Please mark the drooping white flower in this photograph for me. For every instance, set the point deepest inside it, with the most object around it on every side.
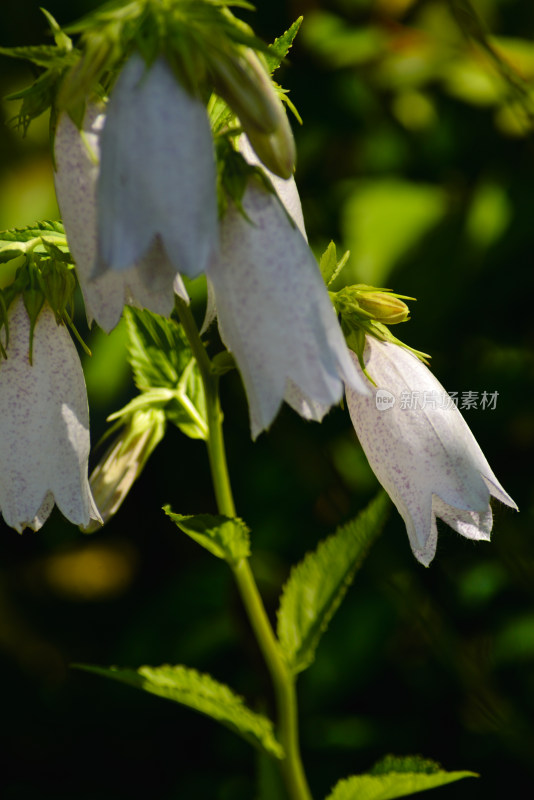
(44, 425)
(157, 176)
(421, 450)
(150, 282)
(275, 314)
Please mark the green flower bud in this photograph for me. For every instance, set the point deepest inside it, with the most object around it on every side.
(276, 150)
(242, 81)
(384, 307)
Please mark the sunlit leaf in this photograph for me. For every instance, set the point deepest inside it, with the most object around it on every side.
(318, 584)
(225, 537)
(202, 693)
(396, 777)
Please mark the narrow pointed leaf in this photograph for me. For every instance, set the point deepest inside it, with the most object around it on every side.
(317, 585)
(224, 537)
(281, 46)
(330, 266)
(202, 693)
(396, 777)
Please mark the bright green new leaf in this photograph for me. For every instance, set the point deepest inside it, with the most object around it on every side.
(161, 359)
(202, 693)
(317, 585)
(225, 537)
(396, 777)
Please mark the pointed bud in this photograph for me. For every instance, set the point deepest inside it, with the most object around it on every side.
(247, 88)
(384, 307)
(123, 462)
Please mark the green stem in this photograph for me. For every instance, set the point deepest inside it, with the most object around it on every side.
(283, 680)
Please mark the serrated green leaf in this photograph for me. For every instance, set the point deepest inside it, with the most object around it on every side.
(317, 585)
(45, 55)
(396, 776)
(224, 537)
(202, 693)
(281, 46)
(41, 237)
(161, 358)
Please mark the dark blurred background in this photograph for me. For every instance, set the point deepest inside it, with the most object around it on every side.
(417, 155)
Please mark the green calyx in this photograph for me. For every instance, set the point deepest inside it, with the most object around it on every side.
(369, 311)
(35, 262)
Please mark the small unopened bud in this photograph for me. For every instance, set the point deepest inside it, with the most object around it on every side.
(244, 83)
(123, 462)
(383, 307)
(276, 150)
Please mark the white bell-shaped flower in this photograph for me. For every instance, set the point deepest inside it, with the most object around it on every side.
(44, 425)
(275, 314)
(157, 178)
(150, 282)
(421, 449)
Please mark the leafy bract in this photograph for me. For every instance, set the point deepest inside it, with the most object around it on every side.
(317, 585)
(202, 693)
(329, 265)
(281, 46)
(165, 371)
(225, 537)
(396, 777)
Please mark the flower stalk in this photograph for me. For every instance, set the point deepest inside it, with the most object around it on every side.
(283, 680)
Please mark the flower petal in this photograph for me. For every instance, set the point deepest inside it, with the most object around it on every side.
(44, 425)
(425, 456)
(147, 284)
(157, 172)
(274, 312)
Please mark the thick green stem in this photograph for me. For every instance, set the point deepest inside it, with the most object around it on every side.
(283, 680)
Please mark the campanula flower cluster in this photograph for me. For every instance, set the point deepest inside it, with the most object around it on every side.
(140, 182)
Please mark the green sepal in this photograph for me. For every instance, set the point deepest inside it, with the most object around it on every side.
(317, 585)
(224, 537)
(33, 298)
(281, 46)
(202, 693)
(330, 266)
(395, 776)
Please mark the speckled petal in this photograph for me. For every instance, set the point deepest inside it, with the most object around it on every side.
(157, 173)
(44, 425)
(274, 312)
(425, 456)
(147, 284)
